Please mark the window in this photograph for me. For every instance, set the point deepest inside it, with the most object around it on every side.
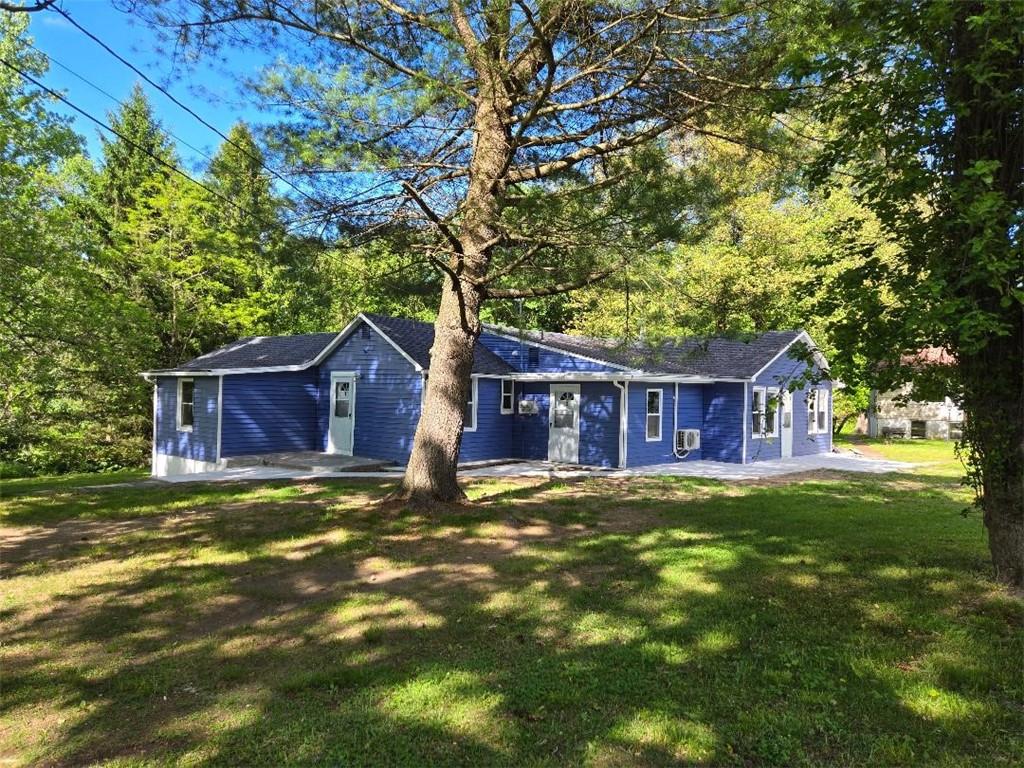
(186, 404)
(654, 414)
(771, 412)
(508, 395)
(342, 399)
(533, 357)
(470, 423)
(757, 411)
(823, 425)
(817, 412)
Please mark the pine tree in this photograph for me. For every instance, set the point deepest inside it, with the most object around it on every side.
(132, 159)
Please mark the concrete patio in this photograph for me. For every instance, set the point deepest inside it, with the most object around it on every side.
(714, 470)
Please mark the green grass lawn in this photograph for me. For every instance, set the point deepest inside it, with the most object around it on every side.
(840, 620)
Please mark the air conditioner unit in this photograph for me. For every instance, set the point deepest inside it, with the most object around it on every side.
(687, 440)
(529, 407)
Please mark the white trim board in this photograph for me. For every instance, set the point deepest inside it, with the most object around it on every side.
(802, 336)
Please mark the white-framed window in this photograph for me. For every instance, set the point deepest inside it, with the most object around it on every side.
(757, 411)
(469, 425)
(771, 412)
(817, 412)
(186, 404)
(654, 398)
(508, 395)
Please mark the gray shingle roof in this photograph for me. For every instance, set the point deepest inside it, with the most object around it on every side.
(714, 357)
(416, 338)
(262, 352)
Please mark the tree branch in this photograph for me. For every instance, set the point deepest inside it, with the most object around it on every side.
(40, 5)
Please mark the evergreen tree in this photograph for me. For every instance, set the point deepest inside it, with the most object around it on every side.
(132, 158)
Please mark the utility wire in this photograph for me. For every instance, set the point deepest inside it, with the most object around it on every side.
(113, 98)
(185, 107)
(134, 145)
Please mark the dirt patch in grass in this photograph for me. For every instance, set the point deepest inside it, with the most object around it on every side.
(592, 622)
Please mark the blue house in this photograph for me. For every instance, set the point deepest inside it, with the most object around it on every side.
(534, 395)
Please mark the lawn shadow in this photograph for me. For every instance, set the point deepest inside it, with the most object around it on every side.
(593, 621)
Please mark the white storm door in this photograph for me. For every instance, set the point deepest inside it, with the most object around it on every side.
(343, 414)
(564, 424)
(786, 424)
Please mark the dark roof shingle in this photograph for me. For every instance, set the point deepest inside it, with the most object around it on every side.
(262, 352)
(714, 358)
(719, 357)
(416, 338)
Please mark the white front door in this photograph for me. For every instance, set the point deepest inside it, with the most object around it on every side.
(786, 414)
(343, 413)
(564, 424)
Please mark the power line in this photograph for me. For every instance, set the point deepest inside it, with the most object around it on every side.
(113, 98)
(134, 145)
(184, 106)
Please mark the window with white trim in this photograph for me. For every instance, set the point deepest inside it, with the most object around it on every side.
(186, 404)
(508, 395)
(469, 425)
(654, 401)
(822, 411)
(817, 412)
(757, 411)
(771, 412)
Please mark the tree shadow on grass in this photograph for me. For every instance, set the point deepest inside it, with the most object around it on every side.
(545, 625)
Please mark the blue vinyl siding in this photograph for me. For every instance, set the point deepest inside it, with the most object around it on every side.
(599, 424)
(515, 354)
(640, 452)
(724, 421)
(531, 432)
(691, 414)
(266, 412)
(388, 394)
(781, 373)
(494, 437)
(201, 443)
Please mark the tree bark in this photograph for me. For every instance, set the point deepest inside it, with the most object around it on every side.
(431, 476)
(994, 409)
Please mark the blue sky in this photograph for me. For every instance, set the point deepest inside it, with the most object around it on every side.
(209, 89)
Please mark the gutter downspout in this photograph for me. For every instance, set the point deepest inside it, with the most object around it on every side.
(623, 388)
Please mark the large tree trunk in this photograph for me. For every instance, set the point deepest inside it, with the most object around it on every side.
(994, 405)
(430, 477)
(431, 474)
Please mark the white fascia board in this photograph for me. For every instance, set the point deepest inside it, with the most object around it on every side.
(549, 348)
(805, 337)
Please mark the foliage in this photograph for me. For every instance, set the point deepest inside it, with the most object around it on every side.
(922, 103)
(128, 266)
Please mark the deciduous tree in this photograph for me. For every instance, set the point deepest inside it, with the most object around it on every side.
(923, 103)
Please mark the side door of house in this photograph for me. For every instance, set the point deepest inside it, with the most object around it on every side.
(341, 429)
(564, 424)
(786, 424)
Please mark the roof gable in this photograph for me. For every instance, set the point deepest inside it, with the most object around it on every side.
(415, 338)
